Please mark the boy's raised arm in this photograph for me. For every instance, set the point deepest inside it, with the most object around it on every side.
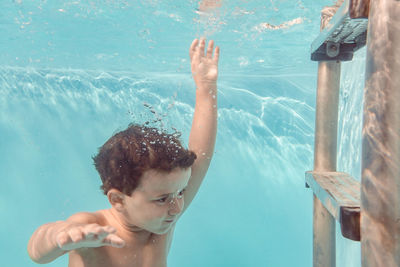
(204, 67)
(53, 240)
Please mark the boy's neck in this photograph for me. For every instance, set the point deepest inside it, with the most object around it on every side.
(129, 229)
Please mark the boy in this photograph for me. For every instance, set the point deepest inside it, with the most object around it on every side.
(149, 180)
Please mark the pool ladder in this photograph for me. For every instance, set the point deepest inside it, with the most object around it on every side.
(369, 211)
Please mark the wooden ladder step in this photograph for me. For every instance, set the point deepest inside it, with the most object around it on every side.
(340, 195)
(345, 33)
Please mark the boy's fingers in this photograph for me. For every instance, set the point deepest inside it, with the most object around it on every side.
(216, 55)
(102, 233)
(109, 229)
(210, 49)
(90, 231)
(201, 46)
(95, 228)
(114, 241)
(193, 47)
(90, 228)
(76, 235)
(104, 229)
(98, 232)
(62, 239)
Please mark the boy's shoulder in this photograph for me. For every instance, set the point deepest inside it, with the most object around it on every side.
(87, 217)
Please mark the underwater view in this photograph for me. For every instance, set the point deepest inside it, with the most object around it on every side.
(75, 72)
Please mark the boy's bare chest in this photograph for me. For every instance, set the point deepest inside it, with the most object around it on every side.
(152, 254)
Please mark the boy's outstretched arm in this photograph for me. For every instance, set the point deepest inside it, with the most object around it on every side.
(52, 240)
(204, 67)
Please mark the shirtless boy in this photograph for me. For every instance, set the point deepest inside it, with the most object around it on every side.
(149, 180)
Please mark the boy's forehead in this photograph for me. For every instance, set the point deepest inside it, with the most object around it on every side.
(156, 182)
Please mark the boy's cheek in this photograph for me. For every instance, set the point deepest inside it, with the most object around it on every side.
(153, 217)
(149, 217)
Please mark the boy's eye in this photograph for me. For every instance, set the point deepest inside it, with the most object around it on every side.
(180, 195)
(162, 200)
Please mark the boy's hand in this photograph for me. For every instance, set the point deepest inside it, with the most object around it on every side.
(88, 235)
(204, 66)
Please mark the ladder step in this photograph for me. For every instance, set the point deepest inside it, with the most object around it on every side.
(345, 33)
(340, 195)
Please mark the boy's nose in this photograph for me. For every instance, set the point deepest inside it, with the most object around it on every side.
(175, 206)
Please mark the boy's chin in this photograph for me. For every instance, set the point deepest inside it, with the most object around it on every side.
(161, 231)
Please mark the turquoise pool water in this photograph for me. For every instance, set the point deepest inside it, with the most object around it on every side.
(74, 72)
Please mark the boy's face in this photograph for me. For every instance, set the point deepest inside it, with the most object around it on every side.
(157, 202)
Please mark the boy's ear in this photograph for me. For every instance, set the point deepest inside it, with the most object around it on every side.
(116, 199)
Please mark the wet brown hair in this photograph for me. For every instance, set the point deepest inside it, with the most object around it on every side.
(123, 159)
